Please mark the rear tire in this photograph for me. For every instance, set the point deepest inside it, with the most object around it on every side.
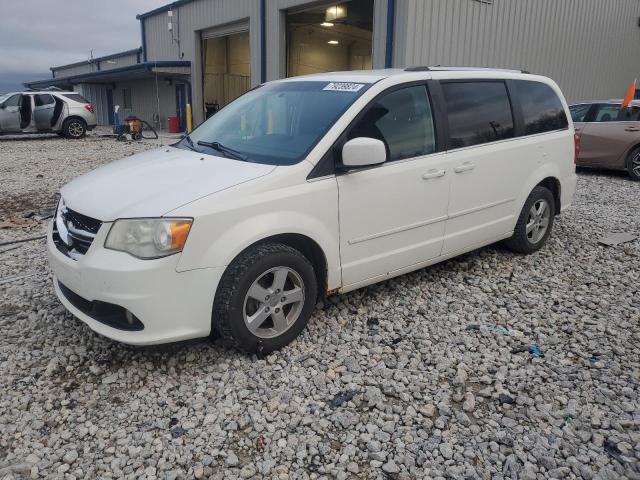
(74, 128)
(265, 298)
(534, 223)
(633, 164)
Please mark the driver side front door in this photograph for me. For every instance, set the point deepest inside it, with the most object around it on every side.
(392, 216)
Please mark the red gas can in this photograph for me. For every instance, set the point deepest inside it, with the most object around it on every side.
(173, 124)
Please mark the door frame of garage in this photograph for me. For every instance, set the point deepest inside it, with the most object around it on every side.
(278, 13)
(216, 31)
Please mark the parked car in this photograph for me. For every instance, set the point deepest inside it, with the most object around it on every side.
(609, 135)
(65, 113)
(307, 187)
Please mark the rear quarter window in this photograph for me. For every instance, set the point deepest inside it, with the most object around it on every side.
(579, 112)
(76, 97)
(541, 108)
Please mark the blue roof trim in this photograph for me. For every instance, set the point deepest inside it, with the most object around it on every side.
(164, 8)
(263, 41)
(391, 16)
(126, 53)
(103, 73)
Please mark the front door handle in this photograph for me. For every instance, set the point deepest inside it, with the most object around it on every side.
(465, 167)
(632, 129)
(433, 173)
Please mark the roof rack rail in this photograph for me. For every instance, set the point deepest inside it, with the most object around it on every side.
(425, 68)
(417, 69)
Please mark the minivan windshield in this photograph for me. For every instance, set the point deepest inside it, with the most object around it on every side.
(275, 124)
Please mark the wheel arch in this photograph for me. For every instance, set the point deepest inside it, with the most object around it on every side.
(74, 117)
(626, 155)
(553, 184)
(305, 245)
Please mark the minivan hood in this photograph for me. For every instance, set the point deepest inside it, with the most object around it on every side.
(152, 183)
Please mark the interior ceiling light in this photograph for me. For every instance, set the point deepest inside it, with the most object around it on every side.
(326, 24)
(333, 42)
(335, 12)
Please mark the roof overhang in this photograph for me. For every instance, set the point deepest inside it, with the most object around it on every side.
(138, 71)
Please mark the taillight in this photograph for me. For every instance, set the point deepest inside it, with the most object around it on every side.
(89, 107)
(576, 147)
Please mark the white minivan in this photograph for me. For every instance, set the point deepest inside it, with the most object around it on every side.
(307, 187)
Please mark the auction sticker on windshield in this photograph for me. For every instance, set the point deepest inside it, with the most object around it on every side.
(343, 87)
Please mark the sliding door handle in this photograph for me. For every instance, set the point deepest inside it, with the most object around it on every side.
(465, 167)
(433, 173)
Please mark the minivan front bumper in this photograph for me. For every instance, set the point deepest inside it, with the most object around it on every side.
(163, 305)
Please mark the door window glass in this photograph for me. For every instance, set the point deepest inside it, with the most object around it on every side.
(579, 112)
(12, 101)
(479, 112)
(629, 114)
(607, 112)
(41, 100)
(541, 108)
(403, 120)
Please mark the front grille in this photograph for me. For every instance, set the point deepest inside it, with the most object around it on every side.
(110, 314)
(83, 222)
(81, 230)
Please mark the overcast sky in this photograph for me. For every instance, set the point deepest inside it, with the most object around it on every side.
(38, 34)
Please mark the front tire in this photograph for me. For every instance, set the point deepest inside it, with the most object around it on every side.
(265, 298)
(74, 128)
(633, 164)
(534, 223)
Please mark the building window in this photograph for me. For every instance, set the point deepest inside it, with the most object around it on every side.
(126, 99)
(330, 37)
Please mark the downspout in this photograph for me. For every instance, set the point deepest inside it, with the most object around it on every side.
(144, 40)
(391, 14)
(263, 42)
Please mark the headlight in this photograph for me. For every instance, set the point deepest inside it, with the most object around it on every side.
(149, 237)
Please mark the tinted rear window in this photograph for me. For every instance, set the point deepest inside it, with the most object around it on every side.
(76, 97)
(541, 107)
(579, 112)
(479, 112)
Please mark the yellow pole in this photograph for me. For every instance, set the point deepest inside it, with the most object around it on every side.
(189, 120)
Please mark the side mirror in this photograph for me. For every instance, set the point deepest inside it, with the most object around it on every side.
(363, 152)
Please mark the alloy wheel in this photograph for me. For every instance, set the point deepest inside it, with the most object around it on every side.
(635, 164)
(274, 302)
(538, 221)
(76, 129)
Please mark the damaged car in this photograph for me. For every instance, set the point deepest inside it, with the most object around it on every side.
(68, 114)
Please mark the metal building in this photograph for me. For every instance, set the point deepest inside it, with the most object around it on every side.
(207, 52)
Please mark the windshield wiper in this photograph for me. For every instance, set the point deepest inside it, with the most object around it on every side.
(230, 152)
(189, 143)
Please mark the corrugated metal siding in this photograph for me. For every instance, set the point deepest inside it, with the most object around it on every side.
(75, 70)
(192, 17)
(145, 102)
(189, 20)
(120, 62)
(589, 47)
(97, 96)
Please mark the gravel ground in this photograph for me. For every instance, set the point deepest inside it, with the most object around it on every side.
(424, 376)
